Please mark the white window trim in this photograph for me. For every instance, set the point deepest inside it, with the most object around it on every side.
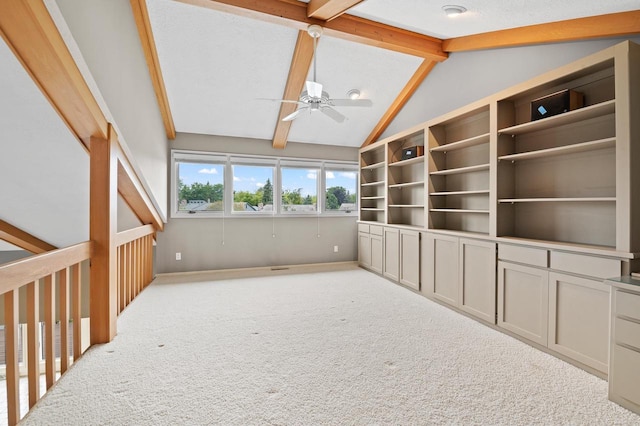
(228, 160)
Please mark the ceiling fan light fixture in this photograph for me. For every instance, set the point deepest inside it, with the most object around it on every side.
(453, 10)
(353, 94)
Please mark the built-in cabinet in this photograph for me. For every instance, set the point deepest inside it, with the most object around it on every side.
(624, 365)
(519, 219)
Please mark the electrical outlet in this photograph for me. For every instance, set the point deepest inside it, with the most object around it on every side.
(178, 256)
(335, 249)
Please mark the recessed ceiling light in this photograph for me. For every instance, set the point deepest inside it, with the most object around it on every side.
(353, 94)
(453, 10)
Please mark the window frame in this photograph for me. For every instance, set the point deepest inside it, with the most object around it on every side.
(228, 160)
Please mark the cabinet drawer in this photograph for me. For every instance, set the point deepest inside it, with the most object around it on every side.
(526, 255)
(626, 374)
(627, 333)
(363, 227)
(375, 229)
(628, 304)
(592, 266)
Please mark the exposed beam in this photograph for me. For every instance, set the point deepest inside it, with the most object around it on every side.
(30, 32)
(329, 9)
(293, 13)
(300, 63)
(611, 25)
(131, 189)
(405, 94)
(141, 16)
(24, 240)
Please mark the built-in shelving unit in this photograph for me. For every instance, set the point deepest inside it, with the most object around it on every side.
(459, 164)
(373, 179)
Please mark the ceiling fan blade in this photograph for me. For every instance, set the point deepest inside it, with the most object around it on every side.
(351, 102)
(314, 89)
(284, 101)
(328, 111)
(293, 115)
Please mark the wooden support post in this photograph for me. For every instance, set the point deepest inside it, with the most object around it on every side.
(102, 229)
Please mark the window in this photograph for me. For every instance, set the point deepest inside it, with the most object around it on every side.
(206, 184)
(341, 185)
(299, 189)
(199, 185)
(253, 188)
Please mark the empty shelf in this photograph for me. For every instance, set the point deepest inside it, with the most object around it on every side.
(407, 162)
(568, 149)
(404, 185)
(459, 211)
(483, 191)
(558, 200)
(373, 166)
(465, 143)
(467, 169)
(373, 183)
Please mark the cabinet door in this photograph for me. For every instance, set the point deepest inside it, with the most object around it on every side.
(579, 319)
(410, 258)
(477, 283)
(391, 263)
(441, 277)
(364, 249)
(376, 253)
(523, 301)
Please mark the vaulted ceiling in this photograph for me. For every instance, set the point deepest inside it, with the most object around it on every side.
(216, 64)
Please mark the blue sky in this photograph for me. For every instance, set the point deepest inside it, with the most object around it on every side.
(251, 178)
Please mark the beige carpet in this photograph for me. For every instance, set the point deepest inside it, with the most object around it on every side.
(333, 348)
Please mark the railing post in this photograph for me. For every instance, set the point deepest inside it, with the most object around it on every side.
(102, 230)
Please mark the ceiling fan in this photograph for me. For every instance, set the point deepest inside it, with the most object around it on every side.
(314, 98)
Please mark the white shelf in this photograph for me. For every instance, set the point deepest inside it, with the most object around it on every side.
(407, 162)
(373, 166)
(465, 143)
(585, 113)
(377, 197)
(407, 206)
(467, 169)
(569, 149)
(407, 184)
(370, 209)
(483, 191)
(373, 183)
(558, 200)
(459, 211)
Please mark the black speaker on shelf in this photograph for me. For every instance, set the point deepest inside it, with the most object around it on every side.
(412, 152)
(556, 103)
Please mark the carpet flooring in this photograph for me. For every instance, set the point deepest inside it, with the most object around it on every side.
(325, 348)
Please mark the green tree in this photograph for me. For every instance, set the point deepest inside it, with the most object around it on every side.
(267, 193)
(292, 196)
(332, 201)
(340, 194)
(308, 200)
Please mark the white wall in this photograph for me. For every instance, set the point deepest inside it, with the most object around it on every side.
(249, 242)
(469, 76)
(106, 34)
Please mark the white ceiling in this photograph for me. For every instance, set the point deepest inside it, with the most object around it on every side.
(216, 66)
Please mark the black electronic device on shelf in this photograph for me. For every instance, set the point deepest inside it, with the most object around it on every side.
(556, 103)
(412, 152)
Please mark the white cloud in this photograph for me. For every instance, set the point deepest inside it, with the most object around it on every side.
(348, 175)
(236, 179)
(312, 175)
(330, 175)
(210, 171)
(259, 185)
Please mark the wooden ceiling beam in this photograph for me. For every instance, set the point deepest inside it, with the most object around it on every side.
(329, 9)
(293, 13)
(30, 32)
(610, 25)
(22, 239)
(405, 94)
(300, 63)
(141, 16)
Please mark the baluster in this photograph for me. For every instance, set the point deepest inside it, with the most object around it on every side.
(63, 286)
(33, 359)
(76, 307)
(49, 329)
(11, 321)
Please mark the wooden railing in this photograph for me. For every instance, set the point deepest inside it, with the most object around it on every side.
(135, 263)
(60, 271)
